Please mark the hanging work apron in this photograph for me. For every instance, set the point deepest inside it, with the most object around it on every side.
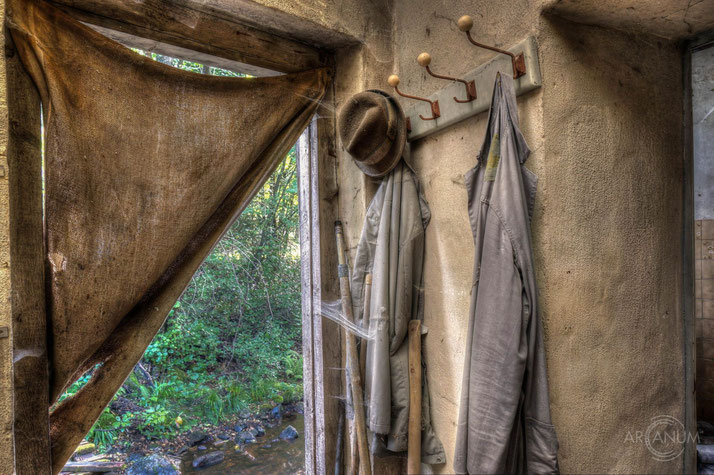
(504, 421)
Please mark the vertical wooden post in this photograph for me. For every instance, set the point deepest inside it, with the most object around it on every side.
(31, 381)
(414, 431)
(352, 358)
(307, 276)
(365, 324)
(321, 337)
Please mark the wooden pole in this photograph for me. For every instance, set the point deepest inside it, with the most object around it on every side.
(414, 434)
(340, 435)
(352, 357)
(353, 468)
(362, 355)
(99, 467)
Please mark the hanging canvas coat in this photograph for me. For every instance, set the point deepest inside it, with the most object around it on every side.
(146, 167)
(391, 248)
(504, 422)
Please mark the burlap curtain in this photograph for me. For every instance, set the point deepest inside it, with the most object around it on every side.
(146, 167)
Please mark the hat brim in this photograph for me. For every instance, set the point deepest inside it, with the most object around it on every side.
(390, 160)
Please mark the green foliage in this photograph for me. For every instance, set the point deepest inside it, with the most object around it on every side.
(105, 430)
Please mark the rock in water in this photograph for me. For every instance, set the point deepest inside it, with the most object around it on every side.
(277, 410)
(245, 437)
(259, 431)
(153, 464)
(196, 437)
(223, 436)
(289, 433)
(211, 458)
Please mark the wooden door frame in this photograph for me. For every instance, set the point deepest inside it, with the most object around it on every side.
(321, 338)
(212, 39)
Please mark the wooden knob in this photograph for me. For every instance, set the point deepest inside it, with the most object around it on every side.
(424, 59)
(465, 23)
(393, 80)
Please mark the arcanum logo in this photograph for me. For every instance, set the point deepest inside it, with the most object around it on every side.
(665, 438)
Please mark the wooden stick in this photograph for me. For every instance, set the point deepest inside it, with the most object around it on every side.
(362, 354)
(352, 358)
(100, 467)
(414, 435)
(353, 468)
(340, 436)
(365, 324)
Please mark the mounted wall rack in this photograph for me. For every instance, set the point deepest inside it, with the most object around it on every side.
(483, 76)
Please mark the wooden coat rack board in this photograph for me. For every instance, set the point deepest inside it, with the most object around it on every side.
(450, 111)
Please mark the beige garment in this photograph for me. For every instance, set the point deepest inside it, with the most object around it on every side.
(391, 248)
(504, 421)
(146, 168)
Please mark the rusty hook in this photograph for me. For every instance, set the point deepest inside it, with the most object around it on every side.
(424, 60)
(435, 112)
(465, 24)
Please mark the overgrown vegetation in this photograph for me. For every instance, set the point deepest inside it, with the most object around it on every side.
(233, 341)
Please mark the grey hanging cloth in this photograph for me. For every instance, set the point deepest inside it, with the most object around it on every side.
(504, 422)
(146, 167)
(391, 248)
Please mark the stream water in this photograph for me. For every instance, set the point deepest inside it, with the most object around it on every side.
(269, 455)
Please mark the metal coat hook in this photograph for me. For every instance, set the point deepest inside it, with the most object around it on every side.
(424, 60)
(465, 24)
(435, 112)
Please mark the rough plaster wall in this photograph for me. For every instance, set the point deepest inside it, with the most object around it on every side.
(607, 235)
(606, 230)
(666, 18)
(330, 24)
(6, 439)
(441, 161)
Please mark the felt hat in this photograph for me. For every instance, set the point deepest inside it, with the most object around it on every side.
(373, 130)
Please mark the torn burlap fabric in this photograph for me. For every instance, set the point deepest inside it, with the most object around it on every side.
(146, 168)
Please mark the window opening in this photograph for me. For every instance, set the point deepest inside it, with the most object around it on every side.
(220, 387)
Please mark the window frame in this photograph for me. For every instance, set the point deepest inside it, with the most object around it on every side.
(261, 52)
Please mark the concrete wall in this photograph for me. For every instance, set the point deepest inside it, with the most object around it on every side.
(704, 312)
(703, 125)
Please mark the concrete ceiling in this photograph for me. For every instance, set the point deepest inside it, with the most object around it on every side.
(673, 19)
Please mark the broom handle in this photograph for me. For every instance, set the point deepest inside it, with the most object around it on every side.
(352, 357)
(362, 355)
(414, 434)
